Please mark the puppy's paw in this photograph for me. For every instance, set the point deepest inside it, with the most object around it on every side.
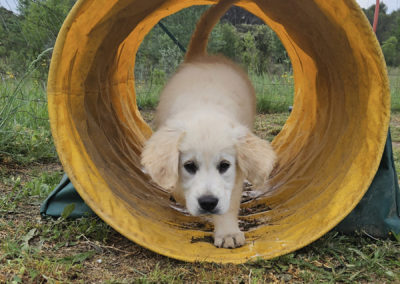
(232, 240)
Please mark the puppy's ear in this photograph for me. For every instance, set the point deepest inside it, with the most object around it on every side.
(256, 158)
(160, 156)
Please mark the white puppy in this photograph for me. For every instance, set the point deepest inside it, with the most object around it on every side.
(203, 148)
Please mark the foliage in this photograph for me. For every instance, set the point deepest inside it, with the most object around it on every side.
(29, 33)
(387, 23)
(10, 41)
(24, 127)
(34, 29)
(255, 47)
(270, 55)
(157, 53)
(389, 48)
(274, 93)
(387, 32)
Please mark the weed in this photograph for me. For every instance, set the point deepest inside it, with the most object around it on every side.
(147, 96)
(396, 157)
(163, 275)
(39, 187)
(394, 76)
(274, 93)
(395, 236)
(340, 258)
(42, 185)
(24, 127)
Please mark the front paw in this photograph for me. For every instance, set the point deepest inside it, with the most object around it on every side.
(232, 240)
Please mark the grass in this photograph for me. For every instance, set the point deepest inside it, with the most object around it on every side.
(87, 250)
(394, 77)
(274, 92)
(147, 95)
(35, 250)
(24, 126)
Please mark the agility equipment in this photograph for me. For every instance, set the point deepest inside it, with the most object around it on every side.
(329, 149)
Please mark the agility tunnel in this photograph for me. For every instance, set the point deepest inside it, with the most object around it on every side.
(329, 149)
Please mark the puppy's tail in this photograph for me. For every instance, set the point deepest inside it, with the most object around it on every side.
(198, 42)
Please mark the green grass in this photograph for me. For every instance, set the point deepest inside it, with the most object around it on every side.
(147, 95)
(24, 127)
(274, 93)
(29, 245)
(394, 78)
(38, 187)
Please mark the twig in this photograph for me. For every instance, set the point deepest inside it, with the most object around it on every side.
(368, 235)
(127, 253)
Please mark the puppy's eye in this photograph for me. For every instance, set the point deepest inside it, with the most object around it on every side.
(223, 166)
(190, 167)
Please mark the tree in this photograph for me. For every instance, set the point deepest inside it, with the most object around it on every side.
(390, 51)
(386, 22)
(41, 21)
(10, 41)
(26, 35)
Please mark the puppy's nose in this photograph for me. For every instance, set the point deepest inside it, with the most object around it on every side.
(208, 202)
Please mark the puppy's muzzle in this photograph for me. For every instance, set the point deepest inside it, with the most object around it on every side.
(208, 203)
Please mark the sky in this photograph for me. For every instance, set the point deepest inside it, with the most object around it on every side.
(9, 4)
(391, 4)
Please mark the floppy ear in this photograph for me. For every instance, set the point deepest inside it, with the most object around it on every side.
(160, 156)
(256, 158)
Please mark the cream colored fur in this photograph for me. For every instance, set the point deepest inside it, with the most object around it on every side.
(204, 121)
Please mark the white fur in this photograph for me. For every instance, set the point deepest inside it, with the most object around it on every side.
(205, 115)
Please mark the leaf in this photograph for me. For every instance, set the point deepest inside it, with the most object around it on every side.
(17, 279)
(389, 273)
(78, 258)
(68, 210)
(27, 238)
(362, 255)
(396, 236)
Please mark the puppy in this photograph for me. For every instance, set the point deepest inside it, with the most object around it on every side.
(203, 147)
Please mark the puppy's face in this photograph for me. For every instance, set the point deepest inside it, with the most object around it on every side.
(207, 176)
(201, 161)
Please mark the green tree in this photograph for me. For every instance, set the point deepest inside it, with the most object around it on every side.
(386, 22)
(41, 21)
(389, 48)
(10, 41)
(23, 37)
(225, 40)
(158, 55)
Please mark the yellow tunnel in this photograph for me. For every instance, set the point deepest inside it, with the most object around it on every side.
(329, 149)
